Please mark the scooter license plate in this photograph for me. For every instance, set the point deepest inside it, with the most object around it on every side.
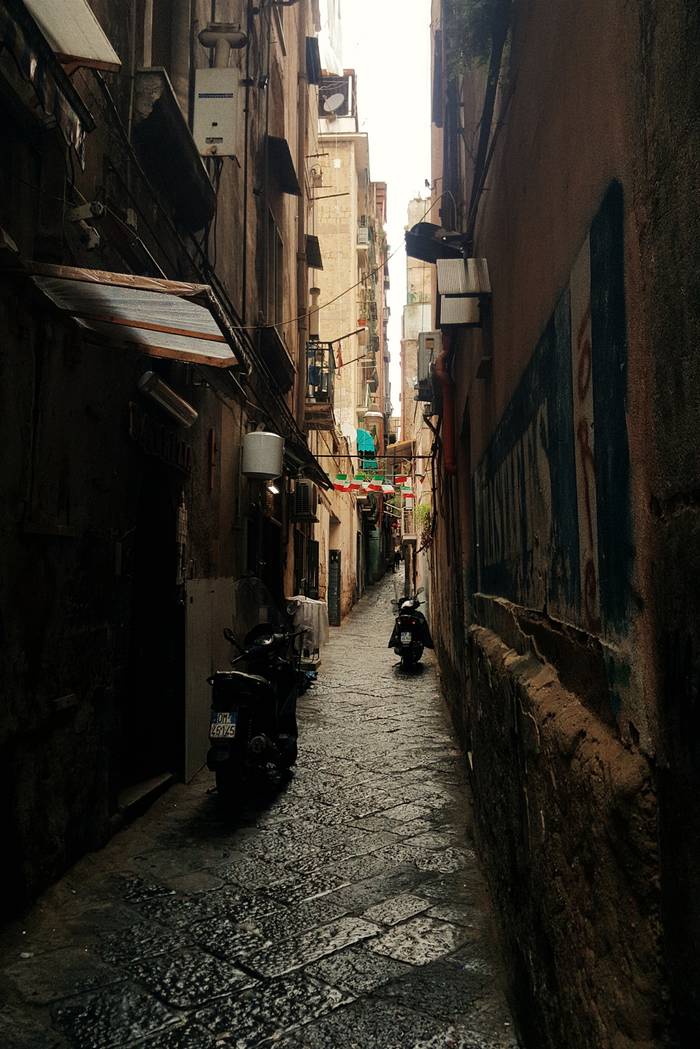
(406, 637)
(223, 725)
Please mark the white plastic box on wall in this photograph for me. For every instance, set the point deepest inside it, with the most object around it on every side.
(215, 111)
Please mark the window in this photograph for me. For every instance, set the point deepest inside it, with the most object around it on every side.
(275, 273)
(367, 372)
(161, 22)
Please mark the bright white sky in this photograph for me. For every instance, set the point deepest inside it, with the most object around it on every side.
(387, 42)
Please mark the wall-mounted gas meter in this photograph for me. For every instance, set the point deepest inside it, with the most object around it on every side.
(215, 111)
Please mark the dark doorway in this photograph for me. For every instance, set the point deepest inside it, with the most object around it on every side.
(334, 583)
(151, 737)
(265, 552)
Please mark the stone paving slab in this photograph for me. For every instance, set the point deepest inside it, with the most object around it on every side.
(357, 970)
(259, 1015)
(419, 941)
(63, 973)
(287, 955)
(396, 910)
(191, 978)
(367, 1023)
(346, 909)
(111, 1018)
(190, 1036)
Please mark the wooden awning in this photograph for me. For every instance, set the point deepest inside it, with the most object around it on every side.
(74, 34)
(160, 318)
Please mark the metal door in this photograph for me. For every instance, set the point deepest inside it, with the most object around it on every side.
(334, 578)
(208, 609)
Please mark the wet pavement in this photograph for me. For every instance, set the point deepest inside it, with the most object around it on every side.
(347, 910)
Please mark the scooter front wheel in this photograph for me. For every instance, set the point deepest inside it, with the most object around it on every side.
(287, 746)
(228, 784)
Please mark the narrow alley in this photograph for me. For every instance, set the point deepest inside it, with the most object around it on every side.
(349, 910)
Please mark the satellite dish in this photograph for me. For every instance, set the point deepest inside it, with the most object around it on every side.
(334, 102)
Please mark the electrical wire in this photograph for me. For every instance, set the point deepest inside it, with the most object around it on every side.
(370, 273)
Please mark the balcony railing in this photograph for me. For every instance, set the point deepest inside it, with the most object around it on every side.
(320, 379)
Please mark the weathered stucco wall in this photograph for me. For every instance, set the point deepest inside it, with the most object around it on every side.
(107, 506)
(576, 872)
(669, 177)
(570, 532)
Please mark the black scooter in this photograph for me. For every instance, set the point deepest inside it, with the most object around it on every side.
(411, 633)
(253, 726)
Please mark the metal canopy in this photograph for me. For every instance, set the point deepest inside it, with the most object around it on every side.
(73, 32)
(282, 165)
(160, 318)
(313, 252)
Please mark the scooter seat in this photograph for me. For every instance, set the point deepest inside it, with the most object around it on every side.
(232, 677)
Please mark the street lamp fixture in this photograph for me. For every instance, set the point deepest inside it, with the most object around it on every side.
(151, 385)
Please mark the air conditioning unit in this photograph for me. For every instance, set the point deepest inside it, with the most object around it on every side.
(305, 507)
(429, 343)
(363, 236)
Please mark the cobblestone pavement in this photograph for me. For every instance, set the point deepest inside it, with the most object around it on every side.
(347, 911)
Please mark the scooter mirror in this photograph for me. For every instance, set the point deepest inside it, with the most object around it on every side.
(420, 590)
(231, 638)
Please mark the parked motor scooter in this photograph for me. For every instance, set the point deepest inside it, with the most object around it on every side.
(253, 726)
(411, 633)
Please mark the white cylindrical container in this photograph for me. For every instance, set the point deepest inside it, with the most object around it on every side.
(263, 455)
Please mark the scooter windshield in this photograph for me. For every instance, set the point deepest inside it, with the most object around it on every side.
(253, 605)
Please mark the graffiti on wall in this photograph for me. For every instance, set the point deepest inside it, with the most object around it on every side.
(584, 433)
(551, 493)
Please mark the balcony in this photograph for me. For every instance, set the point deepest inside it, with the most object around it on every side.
(320, 374)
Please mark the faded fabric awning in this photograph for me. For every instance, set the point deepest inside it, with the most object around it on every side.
(281, 165)
(161, 318)
(313, 60)
(365, 442)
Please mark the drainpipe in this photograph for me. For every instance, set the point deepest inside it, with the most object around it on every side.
(302, 266)
(314, 325)
(447, 386)
(180, 48)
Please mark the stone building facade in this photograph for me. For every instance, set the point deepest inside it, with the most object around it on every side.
(349, 219)
(125, 520)
(566, 546)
